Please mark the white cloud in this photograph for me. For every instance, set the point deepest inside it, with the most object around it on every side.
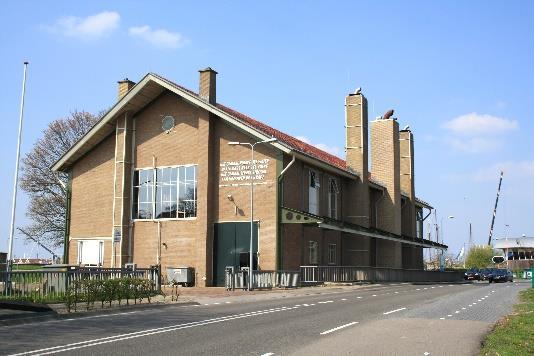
(474, 124)
(475, 144)
(90, 27)
(336, 151)
(159, 38)
(521, 170)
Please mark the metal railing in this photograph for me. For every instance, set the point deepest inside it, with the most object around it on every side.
(51, 284)
(262, 279)
(321, 274)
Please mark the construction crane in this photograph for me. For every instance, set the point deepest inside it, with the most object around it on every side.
(54, 256)
(495, 210)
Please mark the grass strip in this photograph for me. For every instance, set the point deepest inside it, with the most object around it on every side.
(513, 335)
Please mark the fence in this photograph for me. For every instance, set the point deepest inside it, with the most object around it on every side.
(321, 274)
(262, 279)
(53, 284)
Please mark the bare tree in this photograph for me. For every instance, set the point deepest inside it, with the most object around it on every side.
(45, 188)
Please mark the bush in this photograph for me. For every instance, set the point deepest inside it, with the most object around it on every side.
(108, 290)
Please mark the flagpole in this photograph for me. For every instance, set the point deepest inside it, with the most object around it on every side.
(15, 182)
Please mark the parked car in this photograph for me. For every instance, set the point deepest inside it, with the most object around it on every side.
(472, 274)
(501, 275)
(486, 273)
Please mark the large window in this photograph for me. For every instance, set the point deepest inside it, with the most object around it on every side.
(313, 252)
(314, 187)
(165, 193)
(333, 192)
(332, 248)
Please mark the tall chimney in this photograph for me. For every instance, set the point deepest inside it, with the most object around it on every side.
(208, 85)
(407, 183)
(357, 157)
(385, 158)
(124, 87)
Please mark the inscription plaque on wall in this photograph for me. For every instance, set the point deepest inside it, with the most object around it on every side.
(235, 172)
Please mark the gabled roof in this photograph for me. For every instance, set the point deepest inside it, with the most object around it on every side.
(152, 85)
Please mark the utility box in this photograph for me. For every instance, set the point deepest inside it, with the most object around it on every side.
(181, 275)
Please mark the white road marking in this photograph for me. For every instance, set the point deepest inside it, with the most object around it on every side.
(441, 318)
(449, 315)
(456, 312)
(433, 287)
(306, 305)
(312, 304)
(268, 354)
(463, 308)
(148, 332)
(426, 353)
(393, 311)
(298, 305)
(228, 302)
(327, 301)
(343, 299)
(441, 286)
(470, 305)
(339, 327)
(492, 291)
(474, 303)
(359, 297)
(374, 295)
(418, 289)
(425, 288)
(396, 292)
(216, 303)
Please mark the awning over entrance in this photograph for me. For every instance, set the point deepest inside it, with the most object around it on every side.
(292, 216)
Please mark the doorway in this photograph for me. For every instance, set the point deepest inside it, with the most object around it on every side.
(231, 246)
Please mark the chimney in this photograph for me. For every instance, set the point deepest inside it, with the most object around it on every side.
(208, 85)
(356, 133)
(407, 183)
(124, 87)
(357, 157)
(385, 158)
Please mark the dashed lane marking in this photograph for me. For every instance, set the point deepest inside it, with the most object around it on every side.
(393, 311)
(338, 328)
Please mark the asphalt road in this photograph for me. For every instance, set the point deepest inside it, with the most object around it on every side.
(378, 320)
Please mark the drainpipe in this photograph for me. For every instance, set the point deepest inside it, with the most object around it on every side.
(158, 250)
(280, 198)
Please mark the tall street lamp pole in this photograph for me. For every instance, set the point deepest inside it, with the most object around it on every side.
(252, 145)
(16, 178)
(441, 262)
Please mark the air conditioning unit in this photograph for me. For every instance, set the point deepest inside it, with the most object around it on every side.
(130, 266)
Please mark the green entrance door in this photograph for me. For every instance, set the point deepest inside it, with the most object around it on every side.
(231, 248)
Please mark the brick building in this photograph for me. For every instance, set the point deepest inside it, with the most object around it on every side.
(156, 182)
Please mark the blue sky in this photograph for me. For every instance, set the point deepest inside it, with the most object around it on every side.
(459, 73)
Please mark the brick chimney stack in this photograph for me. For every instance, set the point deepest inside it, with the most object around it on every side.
(208, 85)
(357, 156)
(385, 158)
(124, 87)
(407, 183)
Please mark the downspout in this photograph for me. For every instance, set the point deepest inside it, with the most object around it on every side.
(279, 208)
(68, 197)
(158, 251)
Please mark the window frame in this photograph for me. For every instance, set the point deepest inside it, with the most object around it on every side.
(313, 246)
(317, 189)
(335, 196)
(332, 248)
(154, 192)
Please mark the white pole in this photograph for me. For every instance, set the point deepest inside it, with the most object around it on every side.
(15, 182)
(251, 260)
